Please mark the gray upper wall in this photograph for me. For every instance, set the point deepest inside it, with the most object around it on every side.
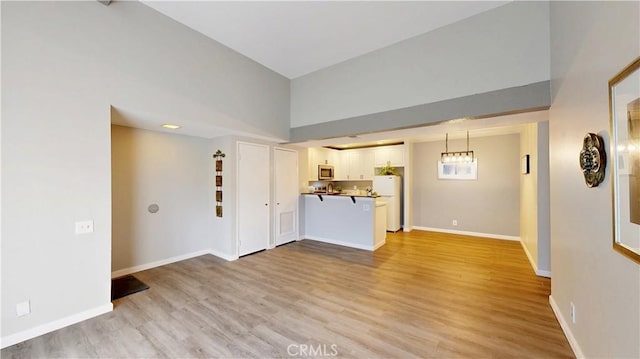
(507, 47)
(532, 97)
(149, 65)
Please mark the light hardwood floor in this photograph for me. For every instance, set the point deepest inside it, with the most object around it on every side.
(423, 294)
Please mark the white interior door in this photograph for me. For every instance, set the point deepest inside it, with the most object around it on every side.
(286, 195)
(253, 198)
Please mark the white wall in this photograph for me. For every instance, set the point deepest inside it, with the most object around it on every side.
(591, 42)
(501, 48)
(63, 65)
(488, 205)
(223, 228)
(534, 197)
(171, 171)
(544, 200)
(529, 193)
(223, 234)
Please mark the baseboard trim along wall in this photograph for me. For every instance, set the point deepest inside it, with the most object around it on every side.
(378, 245)
(565, 328)
(539, 273)
(341, 243)
(55, 325)
(224, 256)
(466, 233)
(134, 269)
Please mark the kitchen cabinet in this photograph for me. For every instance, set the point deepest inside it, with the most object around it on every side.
(342, 167)
(356, 164)
(361, 164)
(393, 155)
(320, 156)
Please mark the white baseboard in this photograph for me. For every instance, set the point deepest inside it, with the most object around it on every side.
(134, 269)
(466, 233)
(565, 328)
(341, 243)
(539, 272)
(224, 256)
(73, 319)
(55, 325)
(382, 243)
(543, 273)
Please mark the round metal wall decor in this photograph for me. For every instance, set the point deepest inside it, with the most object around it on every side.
(593, 159)
(153, 208)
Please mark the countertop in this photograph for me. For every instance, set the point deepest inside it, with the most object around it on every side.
(338, 195)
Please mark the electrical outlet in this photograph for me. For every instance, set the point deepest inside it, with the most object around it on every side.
(454, 222)
(23, 308)
(572, 312)
(84, 227)
(366, 208)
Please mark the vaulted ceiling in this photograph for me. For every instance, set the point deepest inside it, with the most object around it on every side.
(295, 38)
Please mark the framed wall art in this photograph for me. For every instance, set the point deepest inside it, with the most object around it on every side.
(458, 170)
(624, 108)
(218, 156)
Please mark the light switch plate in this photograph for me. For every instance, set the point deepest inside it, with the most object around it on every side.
(23, 308)
(84, 227)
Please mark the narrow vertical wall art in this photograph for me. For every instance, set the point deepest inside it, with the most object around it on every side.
(218, 156)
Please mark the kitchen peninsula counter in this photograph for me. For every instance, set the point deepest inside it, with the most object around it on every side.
(338, 194)
(356, 221)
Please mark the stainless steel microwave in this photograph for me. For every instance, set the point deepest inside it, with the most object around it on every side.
(325, 172)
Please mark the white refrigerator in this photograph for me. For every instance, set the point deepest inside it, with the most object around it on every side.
(389, 189)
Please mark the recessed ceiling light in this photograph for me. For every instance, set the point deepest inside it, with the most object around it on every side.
(170, 126)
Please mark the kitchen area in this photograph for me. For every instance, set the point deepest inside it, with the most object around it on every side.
(353, 196)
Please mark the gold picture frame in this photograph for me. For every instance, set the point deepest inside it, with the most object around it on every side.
(624, 116)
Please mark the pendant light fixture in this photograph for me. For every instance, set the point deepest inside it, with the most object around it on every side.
(456, 157)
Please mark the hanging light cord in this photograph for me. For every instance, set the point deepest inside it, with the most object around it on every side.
(467, 141)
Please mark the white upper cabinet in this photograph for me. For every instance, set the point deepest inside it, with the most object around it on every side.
(394, 155)
(321, 156)
(342, 166)
(361, 165)
(356, 164)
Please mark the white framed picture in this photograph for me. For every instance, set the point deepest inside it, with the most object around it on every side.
(458, 170)
(624, 107)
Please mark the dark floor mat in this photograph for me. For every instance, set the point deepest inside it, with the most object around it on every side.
(124, 286)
